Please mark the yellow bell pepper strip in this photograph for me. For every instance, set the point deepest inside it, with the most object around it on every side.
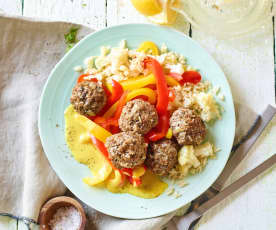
(117, 180)
(100, 177)
(171, 81)
(161, 85)
(132, 94)
(169, 133)
(96, 130)
(142, 81)
(148, 47)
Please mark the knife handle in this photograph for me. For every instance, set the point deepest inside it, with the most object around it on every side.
(236, 185)
(243, 149)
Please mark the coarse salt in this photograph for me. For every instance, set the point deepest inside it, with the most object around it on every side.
(66, 218)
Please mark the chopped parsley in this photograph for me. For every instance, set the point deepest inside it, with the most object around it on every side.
(71, 38)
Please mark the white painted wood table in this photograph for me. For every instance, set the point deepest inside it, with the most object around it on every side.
(245, 61)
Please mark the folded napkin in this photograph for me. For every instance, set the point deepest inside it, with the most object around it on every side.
(29, 49)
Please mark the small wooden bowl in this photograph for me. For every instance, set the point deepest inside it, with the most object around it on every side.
(50, 207)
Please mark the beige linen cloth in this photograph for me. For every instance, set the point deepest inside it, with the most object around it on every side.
(29, 49)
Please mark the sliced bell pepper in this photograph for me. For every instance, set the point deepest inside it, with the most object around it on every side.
(134, 175)
(142, 97)
(171, 95)
(161, 85)
(193, 77)
(96, 130)
(101, 147)
(169, 133)
(148, 47)
(136, 182)
(142, 81)
(108, 124)
(120, 106)
(160, 130)
(117, 91)
(81, 78)
(100, 176)
(149, 93)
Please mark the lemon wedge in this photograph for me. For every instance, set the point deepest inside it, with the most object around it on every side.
(167, 16)
(147, 7)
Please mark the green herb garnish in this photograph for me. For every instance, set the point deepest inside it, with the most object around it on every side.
(71, 38)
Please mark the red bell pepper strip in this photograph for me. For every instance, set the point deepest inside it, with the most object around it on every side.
(193, 77)
(117, 91)
(111, 124)
(151, 86)
(127, 171)
(161, 84)
(135, 181)
(121, 104)
(101, 147)
(81, 78)
(171, 95)
(161, 130)
(142, 97)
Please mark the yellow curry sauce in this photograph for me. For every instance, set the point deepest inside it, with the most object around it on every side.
(84, 152)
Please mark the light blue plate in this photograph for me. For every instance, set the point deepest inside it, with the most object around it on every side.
(55, 99)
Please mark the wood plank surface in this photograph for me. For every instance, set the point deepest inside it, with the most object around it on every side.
(246, 62)
(13, 7)
(87, 12)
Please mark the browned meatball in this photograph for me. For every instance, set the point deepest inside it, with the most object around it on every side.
(187, 127)
(138, 116)
(126, 149)
(162, 156)
(88, 98)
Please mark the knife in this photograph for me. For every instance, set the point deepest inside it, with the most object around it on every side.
(241, 150)
(192, 217)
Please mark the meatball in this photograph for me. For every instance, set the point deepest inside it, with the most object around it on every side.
(138, 116)
(162, 156)
(187, 127)
(126, 149)
(88, 98)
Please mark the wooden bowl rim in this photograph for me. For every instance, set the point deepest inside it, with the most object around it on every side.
(64, 199)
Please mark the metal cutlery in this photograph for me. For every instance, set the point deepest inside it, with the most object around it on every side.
(199, 211)
(241, 150)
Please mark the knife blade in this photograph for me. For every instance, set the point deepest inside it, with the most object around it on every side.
(198, 212)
